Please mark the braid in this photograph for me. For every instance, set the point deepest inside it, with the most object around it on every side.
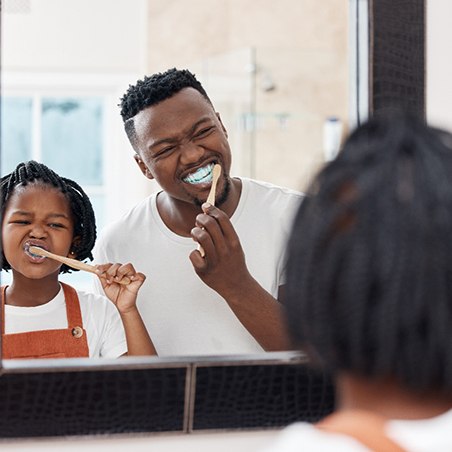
(369, 278)
(84, 220)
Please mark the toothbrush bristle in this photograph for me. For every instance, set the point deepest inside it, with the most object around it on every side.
(34, 254)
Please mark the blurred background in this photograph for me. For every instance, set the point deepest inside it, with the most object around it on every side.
(274, 70)
(277, 72)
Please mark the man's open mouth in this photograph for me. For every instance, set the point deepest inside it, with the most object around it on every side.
(200, 176)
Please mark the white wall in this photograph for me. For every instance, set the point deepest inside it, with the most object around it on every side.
(83, 47)
(74, 35)
(439, 63)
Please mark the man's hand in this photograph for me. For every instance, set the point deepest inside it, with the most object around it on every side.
(223, 269)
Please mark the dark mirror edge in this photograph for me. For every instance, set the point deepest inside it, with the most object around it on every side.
(80, 397)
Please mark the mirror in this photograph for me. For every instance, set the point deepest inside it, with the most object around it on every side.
(66, 64)
(111, 61)
(439, 68)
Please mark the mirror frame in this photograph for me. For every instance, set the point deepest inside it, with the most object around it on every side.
(83, 396)
(397, 47)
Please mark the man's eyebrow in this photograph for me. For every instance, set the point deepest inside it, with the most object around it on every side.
(171, 140)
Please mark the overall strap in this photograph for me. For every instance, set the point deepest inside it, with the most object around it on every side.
(3, 297)
(74, 314)
(366, 427)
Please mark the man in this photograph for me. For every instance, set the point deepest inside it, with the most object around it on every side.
(225, 301)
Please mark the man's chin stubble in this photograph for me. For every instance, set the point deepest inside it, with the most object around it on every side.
(219, 200)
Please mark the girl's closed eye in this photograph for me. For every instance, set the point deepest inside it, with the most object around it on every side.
(57, 225)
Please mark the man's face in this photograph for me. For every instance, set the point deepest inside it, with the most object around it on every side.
(179, 140)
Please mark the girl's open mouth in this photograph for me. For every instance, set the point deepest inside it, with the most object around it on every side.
(32, 256)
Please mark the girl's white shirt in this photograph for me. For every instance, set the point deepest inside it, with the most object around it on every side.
(101, 320)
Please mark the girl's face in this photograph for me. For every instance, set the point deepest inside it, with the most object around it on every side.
(40, 215)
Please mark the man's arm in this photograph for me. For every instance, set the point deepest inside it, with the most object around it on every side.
(224, 270)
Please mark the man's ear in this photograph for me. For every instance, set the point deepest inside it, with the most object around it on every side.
(144, 169)
(222, 125)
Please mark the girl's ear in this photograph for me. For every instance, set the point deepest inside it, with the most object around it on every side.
(75, 244)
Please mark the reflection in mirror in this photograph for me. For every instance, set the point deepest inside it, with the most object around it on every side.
(65, 67)
(439, 69)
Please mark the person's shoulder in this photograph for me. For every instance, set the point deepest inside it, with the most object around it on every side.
(270, 189)
(274, 198)
(96, 304)
(93, 298)
(130, 217)
(305, 436)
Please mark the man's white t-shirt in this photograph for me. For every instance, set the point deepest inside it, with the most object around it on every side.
(427, 435)
(101, 320)
(183, 315)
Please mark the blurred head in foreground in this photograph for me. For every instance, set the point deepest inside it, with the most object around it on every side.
(369, 290)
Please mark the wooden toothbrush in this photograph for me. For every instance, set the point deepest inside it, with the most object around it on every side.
(73, 263)
(211, 198)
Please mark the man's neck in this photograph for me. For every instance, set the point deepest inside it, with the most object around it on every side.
(179, 216)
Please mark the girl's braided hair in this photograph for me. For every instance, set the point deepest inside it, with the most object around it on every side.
(84, 220)
(369, 283)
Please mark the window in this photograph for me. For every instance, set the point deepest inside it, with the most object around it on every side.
(63, 132)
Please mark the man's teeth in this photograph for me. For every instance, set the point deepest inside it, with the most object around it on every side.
(201, 176)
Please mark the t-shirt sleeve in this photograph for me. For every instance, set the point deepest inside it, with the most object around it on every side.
(303, 436)
(105, 331)
(114, 342)
(288, 214)
(100, 257)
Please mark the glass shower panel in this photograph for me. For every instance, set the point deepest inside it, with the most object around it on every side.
(72, 134)
(297, 90)
(275, 104)
(16, 131)
(229, 81)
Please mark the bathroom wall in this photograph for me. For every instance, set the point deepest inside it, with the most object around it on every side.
(439, 63)
(297, 77)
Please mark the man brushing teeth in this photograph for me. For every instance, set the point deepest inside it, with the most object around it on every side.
(202, 179)
(226, 301)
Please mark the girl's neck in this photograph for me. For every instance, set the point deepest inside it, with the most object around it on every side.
(388, 398)
(31, 292)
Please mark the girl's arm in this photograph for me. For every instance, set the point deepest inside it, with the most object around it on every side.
(124, 296)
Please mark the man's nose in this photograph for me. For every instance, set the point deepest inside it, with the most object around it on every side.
(191, 152)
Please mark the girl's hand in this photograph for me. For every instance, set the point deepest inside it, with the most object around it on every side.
(124, 296)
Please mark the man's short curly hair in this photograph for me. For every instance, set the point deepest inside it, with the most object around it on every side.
(154, 89)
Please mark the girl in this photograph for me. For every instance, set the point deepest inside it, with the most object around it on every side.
(369, 290)
(43, 318)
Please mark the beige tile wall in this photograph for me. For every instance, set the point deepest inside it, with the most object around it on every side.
(301, 44)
